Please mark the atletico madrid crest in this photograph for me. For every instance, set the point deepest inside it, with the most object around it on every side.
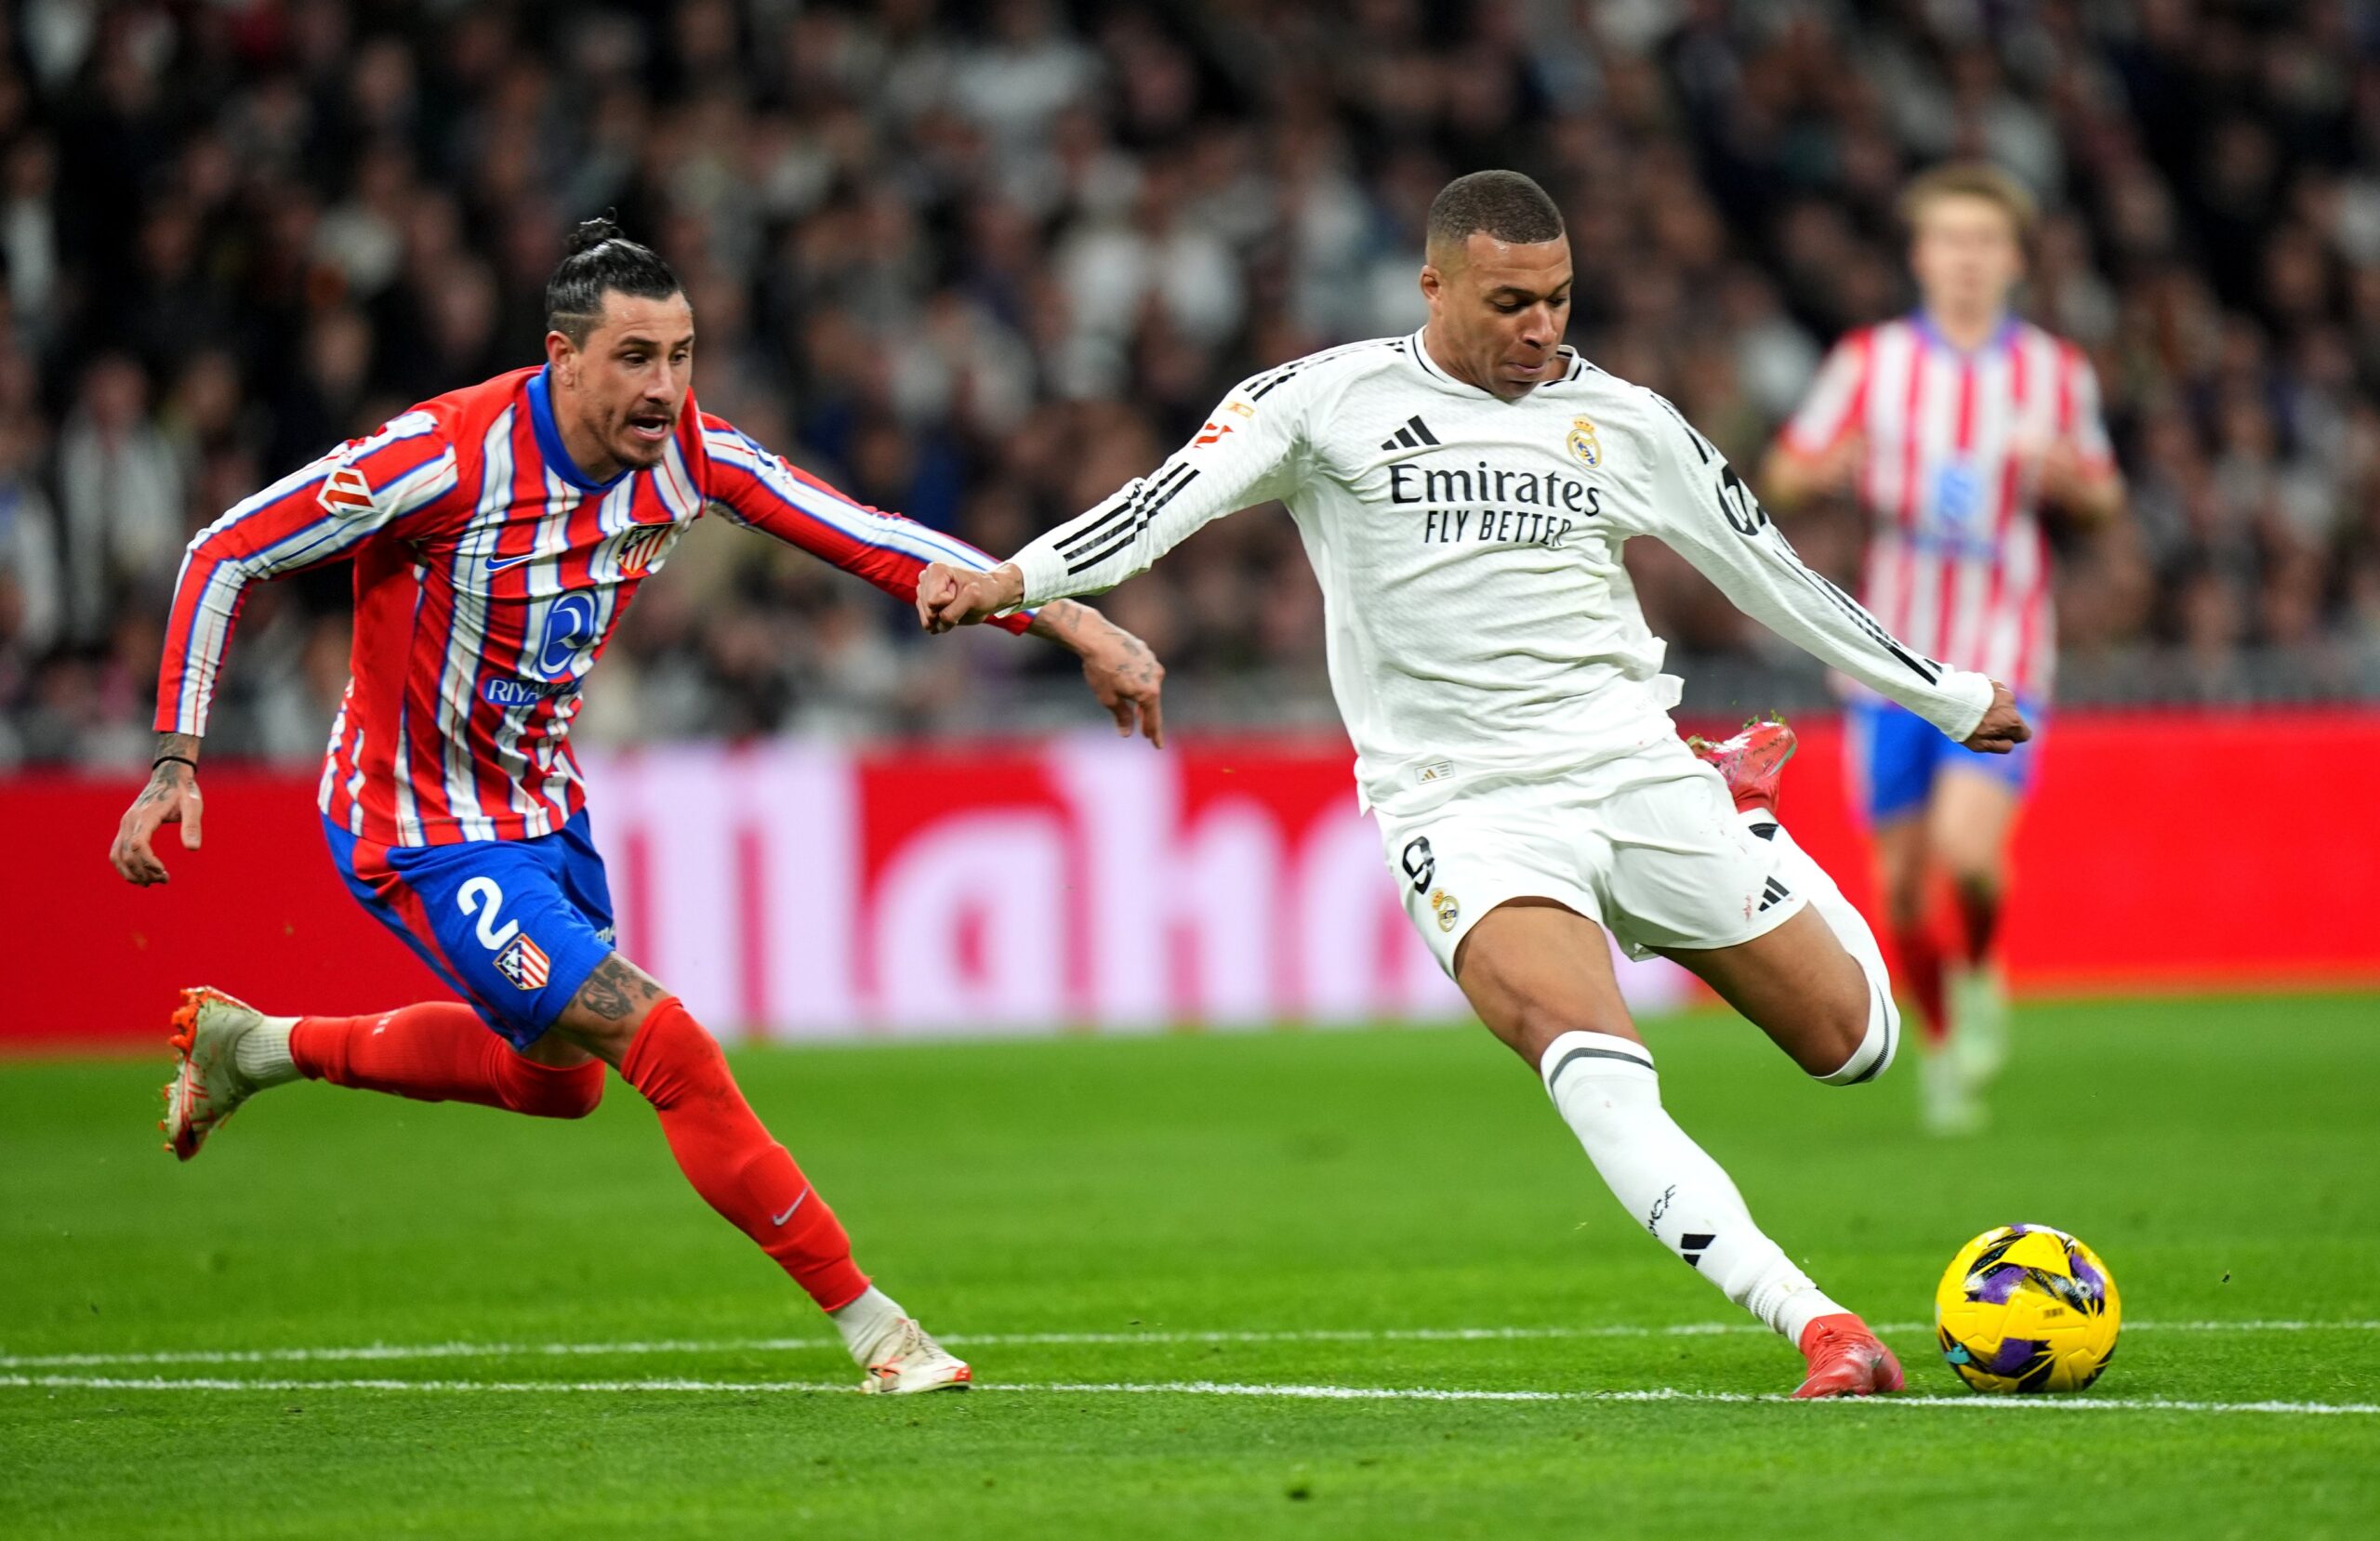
(524, 963)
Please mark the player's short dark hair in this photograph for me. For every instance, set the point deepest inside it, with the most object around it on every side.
(601, 260)
(1505, 204)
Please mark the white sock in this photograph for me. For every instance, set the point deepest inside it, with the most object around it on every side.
(1804, 876)
(1608, 1092)
(263, 1053)
(867, 1322)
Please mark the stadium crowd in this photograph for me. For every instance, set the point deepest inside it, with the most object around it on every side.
(982, 264)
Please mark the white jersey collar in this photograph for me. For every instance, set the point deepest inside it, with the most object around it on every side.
(1418, 345)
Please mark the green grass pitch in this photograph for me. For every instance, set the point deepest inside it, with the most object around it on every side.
(1106, 1224)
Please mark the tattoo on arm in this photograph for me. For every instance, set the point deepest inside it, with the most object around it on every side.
(167, 778)
(1061, 620)
(616, 990)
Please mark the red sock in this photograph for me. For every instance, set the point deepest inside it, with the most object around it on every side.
(1978, 919)
(729, 1158)
(1920, 965)
(439, 1052)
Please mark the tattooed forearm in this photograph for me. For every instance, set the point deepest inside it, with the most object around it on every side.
(1063, 621)
(616, 992)
(1083, 629)
(168, 777)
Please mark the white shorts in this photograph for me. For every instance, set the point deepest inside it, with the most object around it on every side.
(1656, 855)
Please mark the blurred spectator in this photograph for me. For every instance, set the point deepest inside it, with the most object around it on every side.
(120, 498)
(983, 263)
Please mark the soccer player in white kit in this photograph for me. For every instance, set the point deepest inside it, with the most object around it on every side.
(1954, 428)
(1463, 495)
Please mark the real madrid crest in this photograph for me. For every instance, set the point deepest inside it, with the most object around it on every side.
(1449, 913)
(1584, 442)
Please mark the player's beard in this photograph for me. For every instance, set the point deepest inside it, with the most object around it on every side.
(633, 449)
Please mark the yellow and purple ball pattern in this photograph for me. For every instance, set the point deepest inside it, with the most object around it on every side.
(2027, 1307)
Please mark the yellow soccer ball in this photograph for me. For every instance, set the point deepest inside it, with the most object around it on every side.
(2027, 1307)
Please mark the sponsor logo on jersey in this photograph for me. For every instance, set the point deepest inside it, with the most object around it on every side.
(570, 630)
(1492, 505)
(1444, 905)
(1586, 445)
(506, 691)
(524, 963)
(1958, 494)
(1211, 433)
(345, 494)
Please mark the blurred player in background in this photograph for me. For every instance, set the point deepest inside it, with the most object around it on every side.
(498, 535)
(1464, 494)
(1954, 428)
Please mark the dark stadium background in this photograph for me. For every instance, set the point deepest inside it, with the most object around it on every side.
(983, 263)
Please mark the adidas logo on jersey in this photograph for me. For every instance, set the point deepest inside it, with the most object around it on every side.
(1412, 436)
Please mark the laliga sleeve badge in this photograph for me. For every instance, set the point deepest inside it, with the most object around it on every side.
(1586, 445)
(1448, 911)
(524, 963)
(346, 493)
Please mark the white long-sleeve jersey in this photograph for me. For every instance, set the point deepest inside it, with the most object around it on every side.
(1480, 622)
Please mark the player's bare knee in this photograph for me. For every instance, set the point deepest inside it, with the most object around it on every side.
(1832, 1038)
(1859, 1040)
(1528, 1027)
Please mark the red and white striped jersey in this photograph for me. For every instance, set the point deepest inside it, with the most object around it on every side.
(1957, 564)
(489, 574)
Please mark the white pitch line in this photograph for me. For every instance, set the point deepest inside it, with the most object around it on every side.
(405, 1352)
(1177, 1388)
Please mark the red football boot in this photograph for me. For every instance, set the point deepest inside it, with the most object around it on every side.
(1845, 1360)
(1753, 762)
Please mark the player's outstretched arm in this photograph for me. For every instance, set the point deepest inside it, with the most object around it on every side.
(1251, 451)
(171, 798)
(2002, 727)
(763, 491)
(1691, 499)
(949, 596)
(1119, 666)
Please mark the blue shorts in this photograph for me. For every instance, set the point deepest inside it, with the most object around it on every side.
(514, 927)
(1896, 755)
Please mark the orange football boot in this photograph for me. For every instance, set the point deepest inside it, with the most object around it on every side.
(1753, 762)
(1845, 1360)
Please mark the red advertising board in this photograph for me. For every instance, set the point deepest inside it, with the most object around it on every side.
(803, 891)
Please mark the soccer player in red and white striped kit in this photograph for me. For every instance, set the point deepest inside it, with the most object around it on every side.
(498, 533)
(1955, 429)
